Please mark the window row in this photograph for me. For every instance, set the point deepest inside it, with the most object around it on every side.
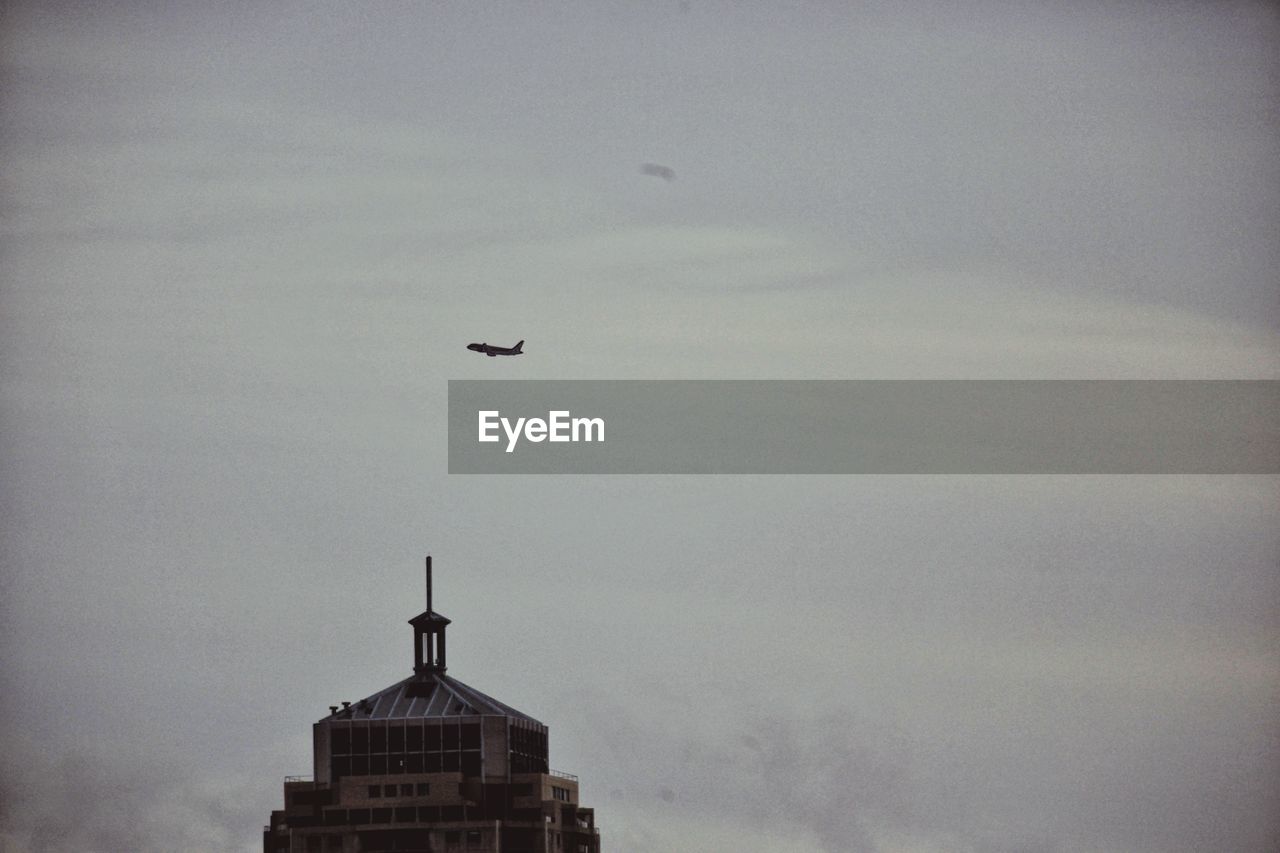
(380, 737)
(321, 843)
(528, 740)
(384, 765)
(453, 836)
(528, 763)
(397, 814)
(423, 789)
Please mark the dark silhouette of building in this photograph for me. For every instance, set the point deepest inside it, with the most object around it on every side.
(430, 764)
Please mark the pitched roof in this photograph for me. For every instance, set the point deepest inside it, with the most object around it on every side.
(430, 695)
(429, 617)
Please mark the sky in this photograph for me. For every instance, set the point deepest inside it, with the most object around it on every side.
(244, 247)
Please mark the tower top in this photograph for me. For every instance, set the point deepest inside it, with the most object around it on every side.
(428, 636)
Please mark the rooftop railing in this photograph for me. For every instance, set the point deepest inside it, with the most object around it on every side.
(289, 779)
(560, 774)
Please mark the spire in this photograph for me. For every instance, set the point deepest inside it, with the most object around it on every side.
(428, 636)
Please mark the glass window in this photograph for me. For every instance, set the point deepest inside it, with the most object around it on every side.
(424, 789)
(340, 740)
(375, 790)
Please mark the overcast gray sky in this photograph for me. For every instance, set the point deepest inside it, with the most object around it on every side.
(245, 244)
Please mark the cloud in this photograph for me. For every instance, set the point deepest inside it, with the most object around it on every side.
(820, 784)
(717, 258)
(83, 800)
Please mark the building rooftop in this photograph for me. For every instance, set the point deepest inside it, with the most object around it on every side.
(429, 695)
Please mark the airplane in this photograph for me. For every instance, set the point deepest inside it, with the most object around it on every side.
(667, 173)
(491, 351)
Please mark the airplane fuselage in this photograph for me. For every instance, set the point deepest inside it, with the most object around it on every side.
(492, 351)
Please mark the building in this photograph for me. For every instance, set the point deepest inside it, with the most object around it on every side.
(430, 764)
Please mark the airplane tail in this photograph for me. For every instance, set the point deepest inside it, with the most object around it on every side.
(516, 348)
